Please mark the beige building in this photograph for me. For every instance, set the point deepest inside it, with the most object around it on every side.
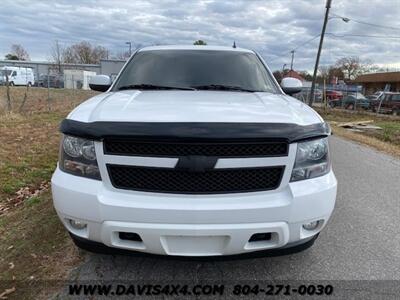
(379, 81)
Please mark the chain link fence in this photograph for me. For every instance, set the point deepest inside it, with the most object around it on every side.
(351, 97)
(49, 92)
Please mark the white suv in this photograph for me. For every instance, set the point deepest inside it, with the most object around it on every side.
(194, 151)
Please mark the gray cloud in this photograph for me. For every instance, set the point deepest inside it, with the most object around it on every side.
(271, 27)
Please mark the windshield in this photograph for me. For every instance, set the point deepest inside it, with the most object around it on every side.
(199, 69)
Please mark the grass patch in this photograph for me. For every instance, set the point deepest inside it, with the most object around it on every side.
(11, 187)
(29, 151)
(42, 100)
(391, 131)
(33, 200)
(386, 140)
(33, 243)
(34, 246)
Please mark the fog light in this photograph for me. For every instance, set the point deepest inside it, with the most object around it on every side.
(312, 225)
(77, 224)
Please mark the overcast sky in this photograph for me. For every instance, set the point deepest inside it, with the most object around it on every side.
(272, 27)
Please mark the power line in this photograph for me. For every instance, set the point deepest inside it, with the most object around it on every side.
(295, 48)
(363, 35)
(344, 35)
(335, 35)
(366, 23)
(306, 42)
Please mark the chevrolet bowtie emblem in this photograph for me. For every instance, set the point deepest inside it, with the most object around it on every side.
(196, 163)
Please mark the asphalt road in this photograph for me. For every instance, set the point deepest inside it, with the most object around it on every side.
(361, 242)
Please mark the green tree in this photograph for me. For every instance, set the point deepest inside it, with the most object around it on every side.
(11, 56)
(17, 53)
(200, 43)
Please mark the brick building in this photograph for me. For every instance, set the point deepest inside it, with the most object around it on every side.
(294, 74)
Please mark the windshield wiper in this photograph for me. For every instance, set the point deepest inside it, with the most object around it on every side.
(146, 86)
(220, 87)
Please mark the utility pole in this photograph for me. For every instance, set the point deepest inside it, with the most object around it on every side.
(321, 41)
(291, 64)
(130, 48)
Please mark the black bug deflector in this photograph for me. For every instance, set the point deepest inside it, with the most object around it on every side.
(195, 131)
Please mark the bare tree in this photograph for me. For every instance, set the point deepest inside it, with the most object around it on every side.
(352, 67)
(329, 73)
(84, 53)
(369, 67)
(125, 55)
(122, 55)
(99, 52)
(68, 56)
(323, 72)
(56, 54)
(19, 52)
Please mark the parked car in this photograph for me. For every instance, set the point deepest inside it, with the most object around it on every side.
(318, 95)
(52, 81)
(375, 96)
(354, 101)
(194, 151)
(334, 98)
(17, 76)
(389, 104)
(334, 95)
(303, 96)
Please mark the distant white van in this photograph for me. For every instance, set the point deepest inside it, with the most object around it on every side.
(17, 76)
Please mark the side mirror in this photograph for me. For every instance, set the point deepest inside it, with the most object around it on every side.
(291, 85)
(100, 83)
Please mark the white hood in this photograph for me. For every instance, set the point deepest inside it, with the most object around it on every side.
(194, 106)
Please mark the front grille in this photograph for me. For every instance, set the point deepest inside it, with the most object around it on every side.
(166, 180)
(177, 149)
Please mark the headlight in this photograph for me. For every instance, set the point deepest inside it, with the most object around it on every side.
(78, 157)
(312, 160)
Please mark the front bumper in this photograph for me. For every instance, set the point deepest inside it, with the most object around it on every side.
(193, 225)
